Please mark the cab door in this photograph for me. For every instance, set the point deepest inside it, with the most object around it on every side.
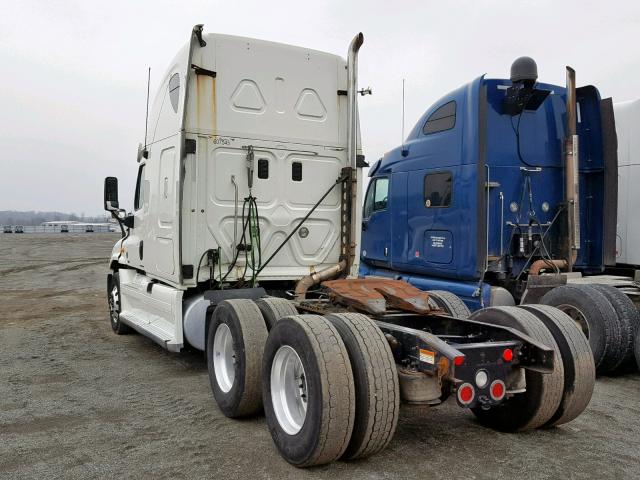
(135, 241)
(376, 224)
(433, 219)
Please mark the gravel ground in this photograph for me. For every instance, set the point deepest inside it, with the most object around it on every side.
(77, 401)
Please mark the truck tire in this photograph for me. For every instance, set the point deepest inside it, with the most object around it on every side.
(376, 384)
(595, 316)
(627, 315)
(113, 297)
(308, 390)
(536, 406)
(577, 360)
(274, 308)
(235, 344)
(450, 303)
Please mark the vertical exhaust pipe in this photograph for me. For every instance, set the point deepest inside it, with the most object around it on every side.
(352, 148)
(350, 247)
(572, 187)
(352, 100)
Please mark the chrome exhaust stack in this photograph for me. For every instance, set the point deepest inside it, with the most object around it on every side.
(572, 185)
(352, 211)
(349, 248)
(352, 99)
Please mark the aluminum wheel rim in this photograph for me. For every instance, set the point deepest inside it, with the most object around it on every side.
(289, 390)
(114, 298)
(224, 358)
(577, 316)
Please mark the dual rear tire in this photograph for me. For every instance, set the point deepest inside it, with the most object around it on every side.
(328, 385)
(550, 399)
(606, 316)
(235, 345)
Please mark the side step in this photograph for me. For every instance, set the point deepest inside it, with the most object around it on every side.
(151, 331)
(152, 309)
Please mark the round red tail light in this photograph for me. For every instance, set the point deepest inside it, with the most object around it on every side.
(498, 390)
(466, 393)
(507, 355)
(458, 360)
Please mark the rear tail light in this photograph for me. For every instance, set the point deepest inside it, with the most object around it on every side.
(497, 390)
(466, 393)
(457, 361)
(507, 355)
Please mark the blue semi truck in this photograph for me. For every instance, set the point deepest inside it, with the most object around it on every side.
(505, 192)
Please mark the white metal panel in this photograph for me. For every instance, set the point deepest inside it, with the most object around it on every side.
(268, 90)
(623, 214)
(283, 101)
(633, 219)
(156, 225)
(627, 117)
(282, 203)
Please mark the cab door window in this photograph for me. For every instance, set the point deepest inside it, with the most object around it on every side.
(437, 190)
(138, 200)
(377, 196)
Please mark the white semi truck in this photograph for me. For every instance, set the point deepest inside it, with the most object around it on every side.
(244, 243)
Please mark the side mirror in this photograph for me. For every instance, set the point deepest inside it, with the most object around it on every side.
(111, 194)
(128, 221)
(142, 152)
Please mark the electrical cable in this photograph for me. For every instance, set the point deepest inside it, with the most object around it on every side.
(542, 240)
(200, 264)
(237, 253)
(251, 221)
(516, 130)
(220, 265)
(284, 242)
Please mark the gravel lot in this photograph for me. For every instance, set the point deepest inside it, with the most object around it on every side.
(77, 401)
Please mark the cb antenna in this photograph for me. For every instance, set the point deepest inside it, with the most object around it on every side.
(404, 151)
(402, 111)
(146, 119)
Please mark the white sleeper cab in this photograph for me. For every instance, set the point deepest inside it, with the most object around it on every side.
(234, 118)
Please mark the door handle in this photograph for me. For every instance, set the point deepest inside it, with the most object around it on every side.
(141, 249)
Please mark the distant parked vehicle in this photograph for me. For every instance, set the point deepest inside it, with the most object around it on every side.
(89, 229)
(64, 228)
(7, 229)
(19, 229)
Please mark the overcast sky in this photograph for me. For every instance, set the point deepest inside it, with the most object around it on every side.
(73, 83)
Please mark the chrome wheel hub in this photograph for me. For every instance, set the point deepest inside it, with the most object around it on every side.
(224, 357)
(114, 299)
(577, 316)
(289, 390)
